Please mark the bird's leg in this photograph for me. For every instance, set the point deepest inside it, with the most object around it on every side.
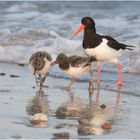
(119, 75)
(40, 80)
(99, 70)
(91, 85)
(118, 97)
(98, 94)
(36, 80)
(40, 93)
(72, 80)
(43, 80)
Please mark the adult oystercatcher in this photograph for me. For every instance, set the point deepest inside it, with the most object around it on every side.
(75, 66)
(104, 48)
(40, 63)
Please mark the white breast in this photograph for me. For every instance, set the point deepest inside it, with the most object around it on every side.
(46, 67)
(103, 52)
(76, 71)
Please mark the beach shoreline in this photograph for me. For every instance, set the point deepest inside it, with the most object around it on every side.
(17, 91)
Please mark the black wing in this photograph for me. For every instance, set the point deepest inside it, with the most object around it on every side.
(116, 45)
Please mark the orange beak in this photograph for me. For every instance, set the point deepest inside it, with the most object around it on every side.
(82, 27)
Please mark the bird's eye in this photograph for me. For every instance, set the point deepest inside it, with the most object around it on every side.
(88, 21)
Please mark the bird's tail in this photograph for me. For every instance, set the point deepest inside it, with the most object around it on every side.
(128, 47)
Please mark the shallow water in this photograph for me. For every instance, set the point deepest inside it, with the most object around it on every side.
(30, 26)
(17, 94)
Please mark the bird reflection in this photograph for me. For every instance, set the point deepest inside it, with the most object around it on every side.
(97, 118)
(37, 107)
(63, 135)
(70, 109)
(37, 104)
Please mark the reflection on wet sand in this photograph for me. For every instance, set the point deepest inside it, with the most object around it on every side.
(39, 120)
(70, 109)
(38, 109)
(63, 135)
(37, 104)
(97, 118)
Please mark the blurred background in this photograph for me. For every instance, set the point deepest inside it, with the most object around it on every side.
(26, 27)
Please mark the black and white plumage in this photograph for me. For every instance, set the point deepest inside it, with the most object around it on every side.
(40, 64)
(104, 48)
(74, 66)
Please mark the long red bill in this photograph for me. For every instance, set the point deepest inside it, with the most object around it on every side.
(82, 27)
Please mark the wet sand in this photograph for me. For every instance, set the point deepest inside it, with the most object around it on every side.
(18, 91)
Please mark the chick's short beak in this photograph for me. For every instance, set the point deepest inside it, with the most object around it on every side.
(54, 63)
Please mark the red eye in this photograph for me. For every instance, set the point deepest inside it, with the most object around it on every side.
(88, 21)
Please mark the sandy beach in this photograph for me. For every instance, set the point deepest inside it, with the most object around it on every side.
(110, 112)
(18, 89)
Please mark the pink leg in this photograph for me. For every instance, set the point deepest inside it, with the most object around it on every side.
(118, 98)
(98, 94)
(99, 70)
(119, 75)
(118, 95)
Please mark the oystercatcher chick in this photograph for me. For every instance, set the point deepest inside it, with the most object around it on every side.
(104, 48)
(40, 63)
(74, 66)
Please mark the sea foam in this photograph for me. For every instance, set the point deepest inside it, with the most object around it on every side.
(27, 27)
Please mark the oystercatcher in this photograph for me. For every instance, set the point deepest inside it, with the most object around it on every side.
(104, 48)
(74, 66)
(40, 63)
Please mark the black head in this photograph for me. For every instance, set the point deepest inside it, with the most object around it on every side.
(62, 60)
(37, 60)
(88, 22)
(61, 57)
